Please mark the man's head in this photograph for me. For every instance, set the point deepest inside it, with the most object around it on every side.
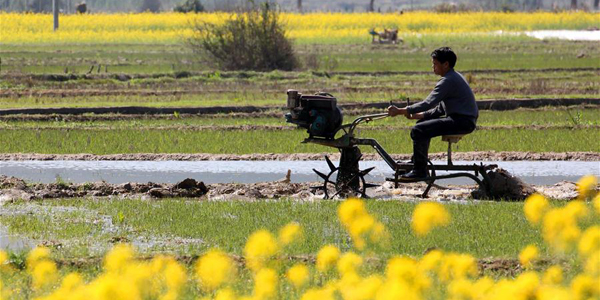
(442, 59)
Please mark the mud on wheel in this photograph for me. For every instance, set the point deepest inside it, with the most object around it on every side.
(346, 180)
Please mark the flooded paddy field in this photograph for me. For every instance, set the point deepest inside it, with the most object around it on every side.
(240, 171)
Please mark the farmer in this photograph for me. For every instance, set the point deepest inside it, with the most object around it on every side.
(449, 109)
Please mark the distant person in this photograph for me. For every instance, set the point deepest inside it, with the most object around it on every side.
(81, 8)
(449, 109)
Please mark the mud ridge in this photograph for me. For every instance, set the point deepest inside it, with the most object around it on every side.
(494, 104)
(284, 75)
(475, 156)
(13, 189)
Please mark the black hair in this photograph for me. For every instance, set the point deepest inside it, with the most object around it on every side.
(444, 54)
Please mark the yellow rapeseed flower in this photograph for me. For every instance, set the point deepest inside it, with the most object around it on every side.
(590, 241)
(592, 264)
(585, 287)
(527, 255)
(290, 233)
(327, 257)
(407, 269)
(350, 210)
(3, 258)
(298, 275)
(427, 216)
(553, 275)
(349, 262)
(586, 187)
(214, 269)
(260, 247)
(325, 293)
(456, 265)
(225, 294)
(43, 273)
(431, 260)
(364, 288)
(175, 276)
(535, 207)
(37, 255)
(265, 284)
(118, 257)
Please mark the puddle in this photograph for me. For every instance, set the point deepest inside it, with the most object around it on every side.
(571, 35)
(14, 242)
(117, 172)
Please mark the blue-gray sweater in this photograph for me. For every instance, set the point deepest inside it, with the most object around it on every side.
(451, 96)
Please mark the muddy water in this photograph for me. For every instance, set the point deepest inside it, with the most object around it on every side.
(116, 172)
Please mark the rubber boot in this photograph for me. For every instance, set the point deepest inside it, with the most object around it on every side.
(420, 152)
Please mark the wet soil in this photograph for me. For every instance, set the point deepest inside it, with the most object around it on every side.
(467, 156)
(12, 189)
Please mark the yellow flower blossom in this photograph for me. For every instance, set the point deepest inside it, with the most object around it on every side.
(431, 260)
(585, 287)
(590, 241)
(325, 27)
(265, 284)
(349, 262)
(118, 257)
(427, 216)
(225, 294)
(290, 233)
(37, 255)
(455, 266)
(592, 264)
(407, 270)
(527, 255)
(260, 247)
(327, 257)
(535, 207)
(365, 288)
(298, 275)
(43, 273)
(3, 260)
(175, 276)
(586, 186)
(553, 275)
(325, 293)
(214, 269)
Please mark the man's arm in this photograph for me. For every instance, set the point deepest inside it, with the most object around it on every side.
(434, 113)
(435, 97)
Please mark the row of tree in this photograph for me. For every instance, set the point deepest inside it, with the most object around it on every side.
(69, 6)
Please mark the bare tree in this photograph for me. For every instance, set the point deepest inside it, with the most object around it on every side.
(300, 5)
(573, 4)
(372, 5)
(596, 4)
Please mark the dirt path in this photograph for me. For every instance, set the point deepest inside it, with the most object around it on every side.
(469, 156)
(494, 104)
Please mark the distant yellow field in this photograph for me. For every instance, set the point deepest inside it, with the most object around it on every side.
(305, 28)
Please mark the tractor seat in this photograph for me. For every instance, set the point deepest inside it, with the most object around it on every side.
(452, 138)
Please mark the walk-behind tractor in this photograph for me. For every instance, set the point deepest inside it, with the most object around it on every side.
(323, 119)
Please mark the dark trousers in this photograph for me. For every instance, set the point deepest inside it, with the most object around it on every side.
(424, 130)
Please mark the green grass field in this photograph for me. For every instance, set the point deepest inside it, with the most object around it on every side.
(67, 141)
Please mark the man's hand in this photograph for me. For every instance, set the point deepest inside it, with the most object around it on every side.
(394, 111)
